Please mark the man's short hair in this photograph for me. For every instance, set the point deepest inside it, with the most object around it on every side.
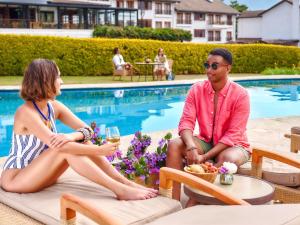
(223, 53)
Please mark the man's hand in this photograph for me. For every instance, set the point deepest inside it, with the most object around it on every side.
(192, 156)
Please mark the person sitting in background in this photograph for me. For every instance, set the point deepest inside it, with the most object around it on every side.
(119, 62)
(163, 68)
(39, 155)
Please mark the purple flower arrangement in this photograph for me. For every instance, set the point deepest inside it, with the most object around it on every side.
(141, 163)
(138, 162)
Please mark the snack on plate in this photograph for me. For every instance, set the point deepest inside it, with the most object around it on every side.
(206, 167)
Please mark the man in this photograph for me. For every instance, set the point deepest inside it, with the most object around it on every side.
(221, 108)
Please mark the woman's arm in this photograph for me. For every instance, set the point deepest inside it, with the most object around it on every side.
(34, 124)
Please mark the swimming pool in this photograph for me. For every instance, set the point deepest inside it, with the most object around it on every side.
(150, 108)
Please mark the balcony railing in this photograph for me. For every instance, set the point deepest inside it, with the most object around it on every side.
(22, 23)
(163, 12)
(181, 21)
(216, 22)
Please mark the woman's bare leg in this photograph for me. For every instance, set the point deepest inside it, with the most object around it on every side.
(105, 165)
(45, 169)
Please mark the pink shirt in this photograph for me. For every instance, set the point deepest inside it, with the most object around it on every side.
(232, 113)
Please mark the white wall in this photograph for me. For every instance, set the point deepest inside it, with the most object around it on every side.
(80, 33)
(276, 23)
(249, 27)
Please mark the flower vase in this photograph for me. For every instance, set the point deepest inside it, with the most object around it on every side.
(226, 178)
(150, 182)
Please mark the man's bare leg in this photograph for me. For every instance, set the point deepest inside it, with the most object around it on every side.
(231, 154)
(175, 155)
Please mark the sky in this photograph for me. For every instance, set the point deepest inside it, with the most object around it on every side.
(256, 4)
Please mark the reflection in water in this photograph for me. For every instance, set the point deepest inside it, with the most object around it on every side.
(286, 92)
(129, 109)
(149, 109)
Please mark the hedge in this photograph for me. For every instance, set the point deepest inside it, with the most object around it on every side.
(164, 34)
(93, 56)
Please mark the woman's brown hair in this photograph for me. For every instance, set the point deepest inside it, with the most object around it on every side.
(39, 80)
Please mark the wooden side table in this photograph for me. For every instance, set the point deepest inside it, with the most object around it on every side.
(250, 189)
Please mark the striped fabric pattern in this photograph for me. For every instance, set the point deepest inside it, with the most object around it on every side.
(25, 148)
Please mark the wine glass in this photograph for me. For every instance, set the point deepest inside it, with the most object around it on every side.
(112, 134)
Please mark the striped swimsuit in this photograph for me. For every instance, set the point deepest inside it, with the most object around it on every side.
(26, 148)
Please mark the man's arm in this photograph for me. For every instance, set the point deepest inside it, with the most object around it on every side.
(187, 125)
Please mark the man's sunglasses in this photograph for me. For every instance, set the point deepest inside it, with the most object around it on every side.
(214, 65)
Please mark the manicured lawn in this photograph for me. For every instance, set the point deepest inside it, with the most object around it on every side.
(16, 80)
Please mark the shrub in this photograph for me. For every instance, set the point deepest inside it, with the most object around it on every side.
(165, 34)
(281, 71)
(93, 56)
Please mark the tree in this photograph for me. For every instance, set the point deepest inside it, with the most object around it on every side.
(239, 7)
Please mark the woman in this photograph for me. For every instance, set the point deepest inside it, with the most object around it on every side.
(163, 68)
(39, 156)
(119, 62)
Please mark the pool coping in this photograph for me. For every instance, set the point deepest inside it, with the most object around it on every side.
(156, 83)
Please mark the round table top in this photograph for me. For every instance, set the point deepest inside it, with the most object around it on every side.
(250, 189)
(149, 63)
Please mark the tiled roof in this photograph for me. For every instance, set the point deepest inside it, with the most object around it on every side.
(214, 6)
(251, 14)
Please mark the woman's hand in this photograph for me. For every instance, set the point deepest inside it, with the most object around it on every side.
(108, 149)
(58, 140)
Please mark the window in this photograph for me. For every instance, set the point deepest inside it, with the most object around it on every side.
(180, 18)
(229, 36)
(65, 19)
(130, 4)
(75, 19)
(158, 24)
(210, 19)
(217, 35)
(218, 19)
(47, 17)
(120, 4)
(167, 24)
(158, 8)
(145, 5)
(199, 33)
(167, 9)
(188, 18)
(145, 23)
(229, 20)
(210, 35)
(199, 16)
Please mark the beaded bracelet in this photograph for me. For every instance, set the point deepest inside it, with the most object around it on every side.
(191, 148)
(86, 132)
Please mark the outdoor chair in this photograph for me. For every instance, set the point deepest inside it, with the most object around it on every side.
(160, 73)
(70, 203)
(295, 139)
(241, 213)
(279, 168)
(122, 73)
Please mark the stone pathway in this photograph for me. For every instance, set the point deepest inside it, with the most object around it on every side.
(263, 133)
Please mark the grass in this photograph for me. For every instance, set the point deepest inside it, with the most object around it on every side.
(278, 71)
(16, 80)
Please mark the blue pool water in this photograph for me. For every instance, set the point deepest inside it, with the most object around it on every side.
(152, 108)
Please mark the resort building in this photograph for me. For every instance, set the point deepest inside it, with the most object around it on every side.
(207, 20)
(278, 24)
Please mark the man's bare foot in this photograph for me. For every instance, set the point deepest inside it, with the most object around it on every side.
(135, 185)
(131, 193)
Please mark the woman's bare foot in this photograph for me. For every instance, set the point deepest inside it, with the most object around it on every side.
(135, 185)
(131, 193)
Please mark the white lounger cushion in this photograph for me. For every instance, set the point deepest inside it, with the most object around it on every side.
(234, 215)
(45, 205)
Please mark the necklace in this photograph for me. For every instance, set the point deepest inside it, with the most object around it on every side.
(47, 121)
